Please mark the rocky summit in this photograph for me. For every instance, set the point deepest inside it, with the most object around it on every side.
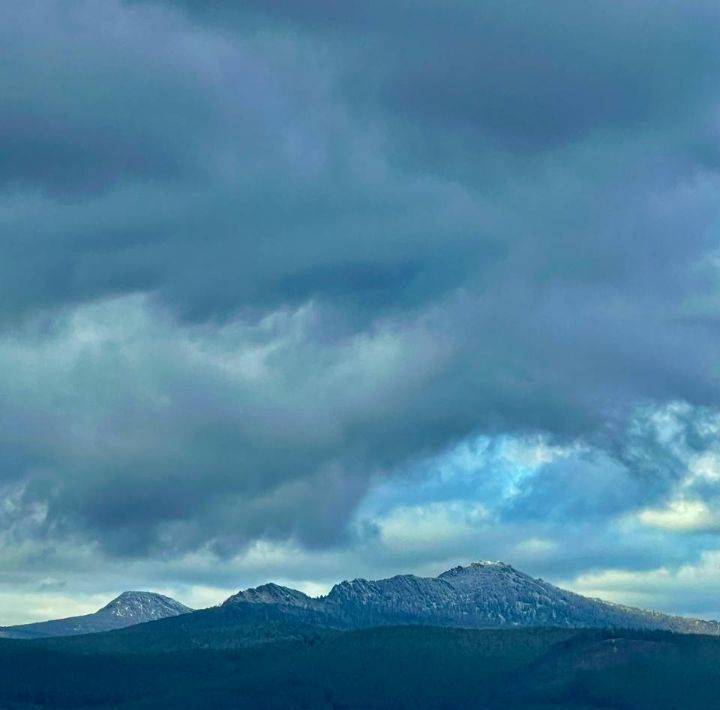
(481, 595)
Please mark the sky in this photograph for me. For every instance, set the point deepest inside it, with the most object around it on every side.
(306, 291)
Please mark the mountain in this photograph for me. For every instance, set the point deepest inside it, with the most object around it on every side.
(128, 609)
(482, 595)
(273, 594)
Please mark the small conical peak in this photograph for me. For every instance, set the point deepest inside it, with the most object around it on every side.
(129, 597)
(146, 605)
(270, 593)
(134, 594)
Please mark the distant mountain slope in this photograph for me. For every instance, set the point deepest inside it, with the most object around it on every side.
(482, 595)
(128, 609)
(215, 629)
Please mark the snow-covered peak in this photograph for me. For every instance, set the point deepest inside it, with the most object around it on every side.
(481, 566)
(270, 593)
(143, 606)
(478, 571)
(128, 609)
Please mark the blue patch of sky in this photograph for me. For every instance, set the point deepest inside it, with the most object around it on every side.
(490, 471)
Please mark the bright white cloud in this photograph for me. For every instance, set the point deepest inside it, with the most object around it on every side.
(681, 516)
(433, 524)
(689, 588)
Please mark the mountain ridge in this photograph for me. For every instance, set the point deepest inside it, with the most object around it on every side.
(481, 595)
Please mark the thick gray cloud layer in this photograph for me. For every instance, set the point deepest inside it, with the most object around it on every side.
(258, 256)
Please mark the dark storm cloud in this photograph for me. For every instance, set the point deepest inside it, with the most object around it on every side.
(256, 254)
(88, 102)
(526, 76)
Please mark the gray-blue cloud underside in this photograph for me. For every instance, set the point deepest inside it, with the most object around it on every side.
(257, 257)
